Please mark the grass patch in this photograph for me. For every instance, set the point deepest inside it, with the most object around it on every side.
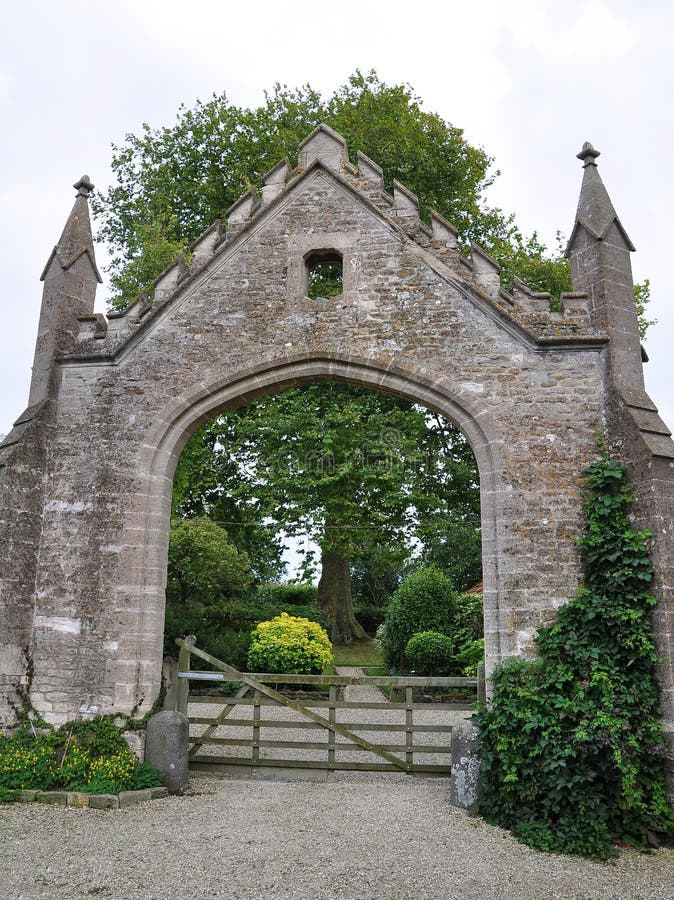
(363, 654)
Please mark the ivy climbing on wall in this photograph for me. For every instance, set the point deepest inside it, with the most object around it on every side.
(571, 745)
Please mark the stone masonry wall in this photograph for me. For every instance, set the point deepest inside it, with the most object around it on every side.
(86, 475)
(407, 322)
(652, 483)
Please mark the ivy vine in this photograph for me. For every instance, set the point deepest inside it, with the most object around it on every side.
(28, 719)
(571, 745)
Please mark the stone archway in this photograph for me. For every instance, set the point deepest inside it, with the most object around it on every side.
(165, 445)
(86, 474)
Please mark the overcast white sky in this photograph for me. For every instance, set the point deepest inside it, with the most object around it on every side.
(528, 81)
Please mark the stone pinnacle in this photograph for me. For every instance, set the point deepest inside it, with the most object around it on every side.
(588, 154)
(84, 186)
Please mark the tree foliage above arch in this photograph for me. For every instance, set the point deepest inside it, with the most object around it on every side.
(174, 181)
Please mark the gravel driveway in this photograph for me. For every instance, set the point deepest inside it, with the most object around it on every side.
(369, 835)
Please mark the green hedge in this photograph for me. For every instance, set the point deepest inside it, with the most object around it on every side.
(425, 601)
(430, 653)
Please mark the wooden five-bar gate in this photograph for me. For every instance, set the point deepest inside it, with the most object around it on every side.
(256, 725)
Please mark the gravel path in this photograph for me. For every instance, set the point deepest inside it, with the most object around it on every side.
(358, 691)
(362, 836)
(370, 836)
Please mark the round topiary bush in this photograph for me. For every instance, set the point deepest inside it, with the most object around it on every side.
(430, 653)
(425, 601)
(290, 645)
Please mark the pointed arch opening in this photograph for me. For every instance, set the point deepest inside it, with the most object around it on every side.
(191, 411)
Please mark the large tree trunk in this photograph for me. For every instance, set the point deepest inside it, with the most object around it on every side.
(334, 598)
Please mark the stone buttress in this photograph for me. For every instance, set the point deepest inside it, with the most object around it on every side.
(599, 251)
(70, 279)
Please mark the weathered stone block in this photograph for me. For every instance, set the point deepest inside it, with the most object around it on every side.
(465, 767)
(104, 801)
(167, 748)
(27, 796)
(158, 793)
(58, 798)
(130, 798)
(136, 743)
(78, 799)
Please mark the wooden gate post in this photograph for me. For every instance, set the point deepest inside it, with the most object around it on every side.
(169, 674)
(481, 684)
(183, 689)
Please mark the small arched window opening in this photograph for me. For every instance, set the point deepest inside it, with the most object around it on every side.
(325, 274)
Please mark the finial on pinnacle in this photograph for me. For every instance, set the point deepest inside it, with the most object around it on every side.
(588, 154)
(84, 186)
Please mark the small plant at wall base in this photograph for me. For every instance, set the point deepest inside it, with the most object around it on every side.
(88, 756)
(571, 746)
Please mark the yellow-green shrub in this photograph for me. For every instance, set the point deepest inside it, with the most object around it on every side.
(110, 774)
(291, 645)
(75, 765)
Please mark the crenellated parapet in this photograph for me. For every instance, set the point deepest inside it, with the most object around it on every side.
(405, 208)
(532, 303)
(165, 284)
(275, 181)
(92, 327)
(240, 212)
(486, 271)
(370, 177)
(326, 146)
(444, 237)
